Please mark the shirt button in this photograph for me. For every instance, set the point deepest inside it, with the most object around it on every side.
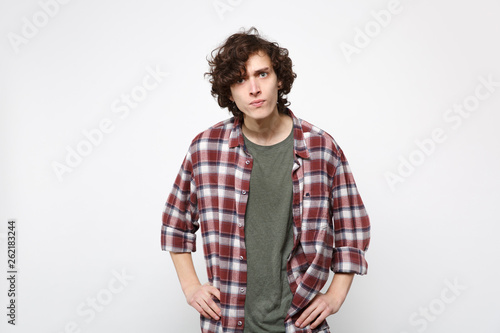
(240, 323)
(243, 192)
(241, 257)
(242, 290)
(247, 162)
(240, 225)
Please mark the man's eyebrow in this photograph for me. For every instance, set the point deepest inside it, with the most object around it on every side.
(261, 70)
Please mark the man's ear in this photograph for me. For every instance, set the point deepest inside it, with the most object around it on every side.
(280, 84)
(231, 98)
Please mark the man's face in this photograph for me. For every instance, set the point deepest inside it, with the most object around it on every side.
(256, 94)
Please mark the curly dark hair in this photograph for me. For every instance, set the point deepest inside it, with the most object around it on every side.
(227, 65)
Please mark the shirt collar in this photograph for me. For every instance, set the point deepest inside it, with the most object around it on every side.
(299, 142)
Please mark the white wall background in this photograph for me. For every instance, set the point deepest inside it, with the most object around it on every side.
(433, 260)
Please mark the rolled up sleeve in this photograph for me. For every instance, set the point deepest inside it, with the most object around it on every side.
(351, 223)
(180, 216)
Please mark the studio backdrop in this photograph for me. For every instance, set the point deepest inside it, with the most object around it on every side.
(99, 101)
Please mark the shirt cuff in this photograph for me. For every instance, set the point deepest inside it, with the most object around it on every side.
(349, 260)
(175, 240)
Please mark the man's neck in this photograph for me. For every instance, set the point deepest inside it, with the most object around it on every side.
(267, 132)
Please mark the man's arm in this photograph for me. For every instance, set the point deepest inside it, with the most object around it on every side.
(197, 295)
(178, 237)
(352, 237)
(328, 303)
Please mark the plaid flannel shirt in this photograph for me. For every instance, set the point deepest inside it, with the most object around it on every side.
(331, 228)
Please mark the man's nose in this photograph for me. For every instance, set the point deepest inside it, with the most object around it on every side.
(254, 87)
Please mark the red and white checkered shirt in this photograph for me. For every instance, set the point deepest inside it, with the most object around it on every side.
(331, 228)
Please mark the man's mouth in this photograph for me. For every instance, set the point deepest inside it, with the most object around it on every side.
(257, 102)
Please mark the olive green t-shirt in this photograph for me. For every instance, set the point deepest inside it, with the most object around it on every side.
(268, 236)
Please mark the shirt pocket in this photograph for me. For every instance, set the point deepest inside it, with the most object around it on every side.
(317, 227)
(316, 212)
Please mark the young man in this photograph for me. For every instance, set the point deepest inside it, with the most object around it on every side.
(275, 200)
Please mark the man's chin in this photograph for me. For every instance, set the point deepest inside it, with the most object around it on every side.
(259, 114)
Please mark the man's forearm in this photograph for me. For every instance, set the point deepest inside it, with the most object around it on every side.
(183, 262)
(201, 297)
(341, 283)
(328, 303)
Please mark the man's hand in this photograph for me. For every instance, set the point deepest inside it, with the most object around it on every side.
(200, 298)
(326, 304)
(321, 307)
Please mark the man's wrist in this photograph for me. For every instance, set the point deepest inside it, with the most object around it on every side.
(186, 287)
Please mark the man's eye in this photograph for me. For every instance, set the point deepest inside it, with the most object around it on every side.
(263, 74)
(240, 81)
